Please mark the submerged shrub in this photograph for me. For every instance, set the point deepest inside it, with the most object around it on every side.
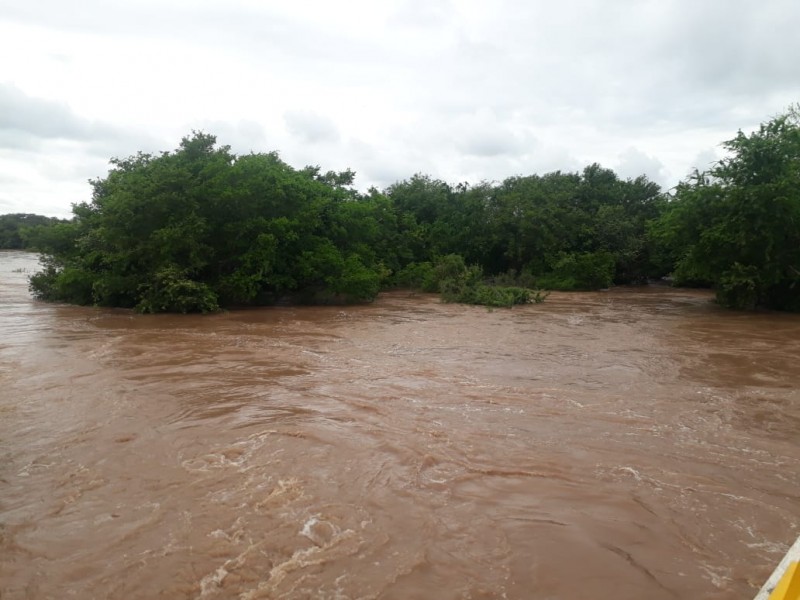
(357, 283)
(461, 283)
(414, 275)
(511, 278)
(579, 271)
(70, 285)
(738, 287)
(172, 291)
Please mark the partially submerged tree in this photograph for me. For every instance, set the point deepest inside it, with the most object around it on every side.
(199, 228)
(19, 230)
(737, 226)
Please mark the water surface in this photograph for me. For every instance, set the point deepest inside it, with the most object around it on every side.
(637, 443)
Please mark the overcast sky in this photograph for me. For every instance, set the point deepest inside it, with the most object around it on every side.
(460, 90)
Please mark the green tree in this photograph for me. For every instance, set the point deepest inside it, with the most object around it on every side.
(589, 217)
(737, 227)
(19, 230)
(199, 228)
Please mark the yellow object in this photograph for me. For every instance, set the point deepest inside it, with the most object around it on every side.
(788, 587)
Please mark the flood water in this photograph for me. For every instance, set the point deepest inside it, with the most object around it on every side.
(636, 443)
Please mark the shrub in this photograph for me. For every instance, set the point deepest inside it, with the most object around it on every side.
(70, 285)
(414, 276)
(580, 271)
(171, 291)
(357, 283)
(511, 278)
(458, 282)
(738, 287)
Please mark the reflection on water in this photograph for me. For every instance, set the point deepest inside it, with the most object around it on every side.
(638, 443)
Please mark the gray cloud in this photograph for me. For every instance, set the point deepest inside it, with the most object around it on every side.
(257, 31)
(27, 122)
(457, 90)
(485, 134)
(705, 160)
(310, 127)
(490, 144)
(633, 163)
(243, 136)
(24, 118)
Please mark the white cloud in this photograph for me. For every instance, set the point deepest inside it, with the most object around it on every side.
(633, 162)
(706, 160)
(460, 89)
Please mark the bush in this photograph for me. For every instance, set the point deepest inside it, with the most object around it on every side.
(172, 291)
(450, 274)
(511, 278)
(488, 295)
(357, 283)
(70, 285)
(453, 279)
(500, 296)
(414, 276)
(738, 287)
(580, 271)
(457, 282)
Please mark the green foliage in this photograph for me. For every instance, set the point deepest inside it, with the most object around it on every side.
(458, 282)
(580, 271)
(738, 287)
(355, 282)
(520, 224)
(171, 291)
(69, 284)
(495, 296)
(737, 227)
(452, 270)
(199, 228)
(18, 231)
(513, 279)
(416, 276)
(538, 296)
(436, 219)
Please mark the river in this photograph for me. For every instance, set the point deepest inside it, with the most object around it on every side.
(628, 444)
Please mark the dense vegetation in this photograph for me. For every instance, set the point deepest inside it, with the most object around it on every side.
(15, 229)
(737, 226)
(200, 228)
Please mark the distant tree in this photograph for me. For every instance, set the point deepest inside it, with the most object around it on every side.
(199, 228)
(552, 225)
(526, 226)
(16, 229)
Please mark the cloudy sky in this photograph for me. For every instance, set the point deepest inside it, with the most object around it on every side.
(463, 90)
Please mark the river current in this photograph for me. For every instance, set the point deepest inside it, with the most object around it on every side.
(628, 444)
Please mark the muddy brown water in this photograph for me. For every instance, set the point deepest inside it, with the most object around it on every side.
(636, 443)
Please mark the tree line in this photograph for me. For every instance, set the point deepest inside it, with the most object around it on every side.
(201, 228)
(15, 229)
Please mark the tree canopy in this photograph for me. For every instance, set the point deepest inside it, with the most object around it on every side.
(200, 228)
(736, 227)
(16, 229)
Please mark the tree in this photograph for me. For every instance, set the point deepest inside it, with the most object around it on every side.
(199, 228)
(737, 226)
(18, 231)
